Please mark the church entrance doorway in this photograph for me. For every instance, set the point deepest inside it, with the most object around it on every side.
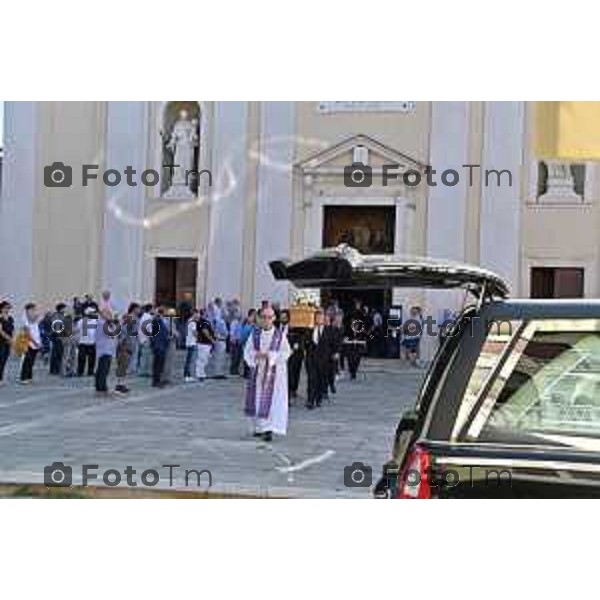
(374, 299)
(369, 229)
(175, 281)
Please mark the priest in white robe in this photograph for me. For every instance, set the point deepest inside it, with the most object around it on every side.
(266, 353)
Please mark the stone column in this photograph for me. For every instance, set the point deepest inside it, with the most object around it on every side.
(275, 197)
(500, 220)
(227, 197)
(446, 205)
(21, 174)
(127, 139)
(404, 242)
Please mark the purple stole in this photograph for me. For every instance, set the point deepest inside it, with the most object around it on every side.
(267, 385)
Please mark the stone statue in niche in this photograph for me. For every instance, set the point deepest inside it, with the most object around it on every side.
(182, 143)
(560, 184)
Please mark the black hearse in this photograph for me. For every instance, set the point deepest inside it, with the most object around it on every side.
(510, 405)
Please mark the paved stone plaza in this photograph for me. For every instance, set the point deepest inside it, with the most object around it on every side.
(201, 426)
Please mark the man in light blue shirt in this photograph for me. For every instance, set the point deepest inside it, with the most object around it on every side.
(106, 347)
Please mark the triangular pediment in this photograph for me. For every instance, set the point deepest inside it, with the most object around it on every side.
(336, 157)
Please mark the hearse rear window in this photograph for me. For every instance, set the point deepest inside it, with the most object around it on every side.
(546, 388)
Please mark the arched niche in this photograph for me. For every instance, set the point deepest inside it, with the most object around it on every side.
(181, 139)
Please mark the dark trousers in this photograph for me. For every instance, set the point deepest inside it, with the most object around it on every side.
(294, 370)
(190, 352)
(102, 371)
(86, 355)
(158, 366)
(331, 373)
(316, 371)
(182, 331)
(378, 346)
(4, 354)
(235, 350)
(27, 366)
(56, 356)
(353, 356)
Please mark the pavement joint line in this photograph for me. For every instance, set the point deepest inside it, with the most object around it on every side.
(289, 467)
(307, 462)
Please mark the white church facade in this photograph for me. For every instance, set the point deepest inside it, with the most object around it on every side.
(257, 181)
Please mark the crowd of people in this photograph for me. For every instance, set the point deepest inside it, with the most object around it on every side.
(85, 337)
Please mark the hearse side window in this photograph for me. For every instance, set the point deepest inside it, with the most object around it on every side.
(548, 391)
(492, 353)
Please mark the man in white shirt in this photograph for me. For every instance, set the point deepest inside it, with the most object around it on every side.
(87, 343)
(191, 341)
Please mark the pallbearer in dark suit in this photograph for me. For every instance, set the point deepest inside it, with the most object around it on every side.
(337, 329)
(320, 348)
(357, 326)
(296, 339)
